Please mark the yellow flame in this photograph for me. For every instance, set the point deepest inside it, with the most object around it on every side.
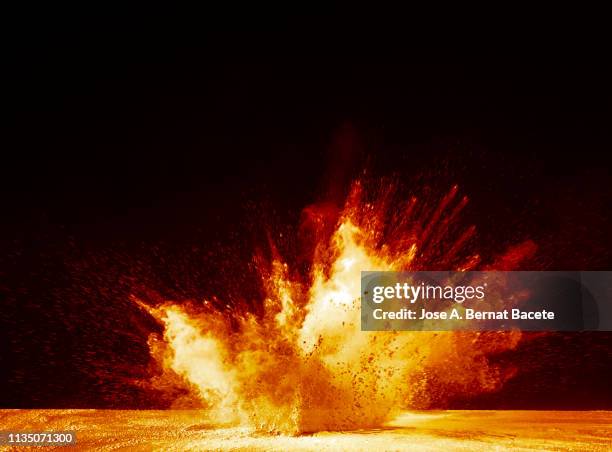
(307, 367)
(202, 360)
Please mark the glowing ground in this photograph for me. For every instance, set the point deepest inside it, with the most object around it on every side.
(423, 431)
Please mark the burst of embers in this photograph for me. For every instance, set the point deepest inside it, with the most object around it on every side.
(303, 364)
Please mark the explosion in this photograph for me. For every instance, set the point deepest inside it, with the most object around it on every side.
(303, 364)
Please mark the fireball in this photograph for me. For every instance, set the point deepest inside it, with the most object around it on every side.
(304, 365)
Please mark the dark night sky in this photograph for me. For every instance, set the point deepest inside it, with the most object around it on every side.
(127, 145)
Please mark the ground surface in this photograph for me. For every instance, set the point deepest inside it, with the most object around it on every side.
(422, 431)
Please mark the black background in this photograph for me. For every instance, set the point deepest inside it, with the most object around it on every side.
(141, 153)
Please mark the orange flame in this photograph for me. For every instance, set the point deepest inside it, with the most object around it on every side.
(305, 365)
